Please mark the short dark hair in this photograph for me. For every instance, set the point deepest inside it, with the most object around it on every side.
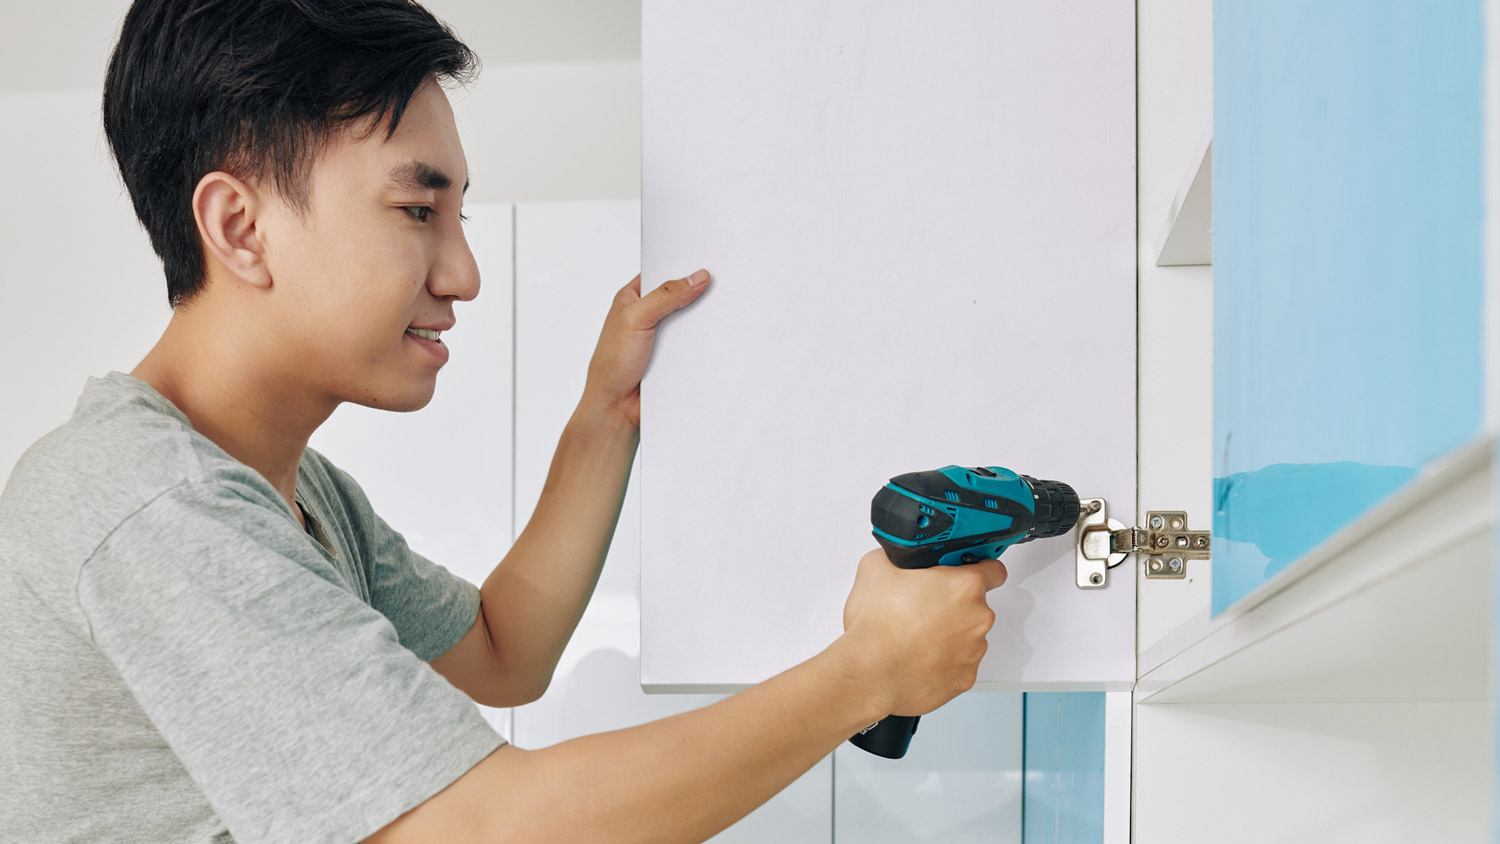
(255, 88)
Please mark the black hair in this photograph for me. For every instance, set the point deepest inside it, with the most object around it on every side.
(255, 88)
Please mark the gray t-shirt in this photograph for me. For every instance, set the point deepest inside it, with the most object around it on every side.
(181, 662)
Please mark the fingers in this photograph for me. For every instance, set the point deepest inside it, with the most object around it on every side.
(993, 571)
(669, 297)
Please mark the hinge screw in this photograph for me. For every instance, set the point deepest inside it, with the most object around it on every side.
(1175, 564)
(1161, 542)
(1156, 522)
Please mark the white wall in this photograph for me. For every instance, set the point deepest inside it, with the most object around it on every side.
(81, 289)
(553, 131)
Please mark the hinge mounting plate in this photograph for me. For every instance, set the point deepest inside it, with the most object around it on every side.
(1095, 553)
(1165, 544)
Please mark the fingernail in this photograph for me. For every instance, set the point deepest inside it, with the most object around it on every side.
(698, 278)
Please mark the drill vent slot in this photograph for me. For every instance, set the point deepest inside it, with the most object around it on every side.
(950, 494)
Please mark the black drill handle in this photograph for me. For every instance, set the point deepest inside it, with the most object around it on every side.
(889, 738)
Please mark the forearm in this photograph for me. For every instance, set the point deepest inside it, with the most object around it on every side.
(533, 600)
(685, 778)
(913, 639)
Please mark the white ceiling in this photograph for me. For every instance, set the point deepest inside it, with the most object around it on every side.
(52, 44)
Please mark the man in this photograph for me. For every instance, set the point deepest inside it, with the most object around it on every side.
(207, 635)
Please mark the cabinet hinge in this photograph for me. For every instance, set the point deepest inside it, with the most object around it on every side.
(1165, 544)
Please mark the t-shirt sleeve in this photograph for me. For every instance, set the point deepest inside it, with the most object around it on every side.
(292, 704)
(430, 606)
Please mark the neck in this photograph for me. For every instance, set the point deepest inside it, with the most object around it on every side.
(258, 409)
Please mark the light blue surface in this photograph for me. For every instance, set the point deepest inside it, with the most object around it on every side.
(1348, 282)
(1063, 789)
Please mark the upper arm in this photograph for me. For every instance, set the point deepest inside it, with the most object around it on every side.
(471, 665)
(462, 812)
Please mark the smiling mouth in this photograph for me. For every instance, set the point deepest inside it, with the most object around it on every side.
(425, 333)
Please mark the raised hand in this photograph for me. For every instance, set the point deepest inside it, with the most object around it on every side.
(625, 343)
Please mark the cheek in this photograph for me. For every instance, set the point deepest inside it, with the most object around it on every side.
(348, 286)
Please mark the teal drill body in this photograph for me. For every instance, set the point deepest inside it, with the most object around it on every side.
(950, 517)
(956, 515)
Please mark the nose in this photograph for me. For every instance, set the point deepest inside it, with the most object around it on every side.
(456, 274)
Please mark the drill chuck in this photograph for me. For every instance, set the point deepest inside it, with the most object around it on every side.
(1056, 508)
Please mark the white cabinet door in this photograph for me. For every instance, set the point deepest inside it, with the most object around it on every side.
(920, 218)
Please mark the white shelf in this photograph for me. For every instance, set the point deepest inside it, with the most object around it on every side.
(1187, 236)
(1398, 606)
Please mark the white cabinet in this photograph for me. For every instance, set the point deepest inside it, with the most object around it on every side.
(920, 219)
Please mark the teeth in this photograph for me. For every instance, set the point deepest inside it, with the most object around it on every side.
(423, 332)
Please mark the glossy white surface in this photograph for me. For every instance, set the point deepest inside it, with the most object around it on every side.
(1186, 238)
(1313, 773)
(571, 258)
(1397, 606)
(1176, 303)
(441, 476)
(1119, 753)
(921, 258)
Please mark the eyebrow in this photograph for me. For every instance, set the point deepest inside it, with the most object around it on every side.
(418, 175)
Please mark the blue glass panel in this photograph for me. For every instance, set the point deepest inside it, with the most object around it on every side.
(1347, 264)
(959, 783)
(1063, 789)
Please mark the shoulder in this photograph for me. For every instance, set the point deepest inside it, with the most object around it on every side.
(123, 447)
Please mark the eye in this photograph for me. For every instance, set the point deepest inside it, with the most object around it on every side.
(418, 212)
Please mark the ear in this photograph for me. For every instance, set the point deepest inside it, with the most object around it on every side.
(227, 211)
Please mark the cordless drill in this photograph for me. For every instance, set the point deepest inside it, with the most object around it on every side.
(953, 516)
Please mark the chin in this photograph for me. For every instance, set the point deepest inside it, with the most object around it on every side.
(400, 398)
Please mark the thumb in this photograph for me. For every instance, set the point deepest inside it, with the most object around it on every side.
(994, 573)
(671, 296)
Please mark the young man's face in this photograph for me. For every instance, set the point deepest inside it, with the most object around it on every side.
(366, 261)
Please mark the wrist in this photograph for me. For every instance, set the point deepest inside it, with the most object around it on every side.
(599, 415)
(858, 673)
